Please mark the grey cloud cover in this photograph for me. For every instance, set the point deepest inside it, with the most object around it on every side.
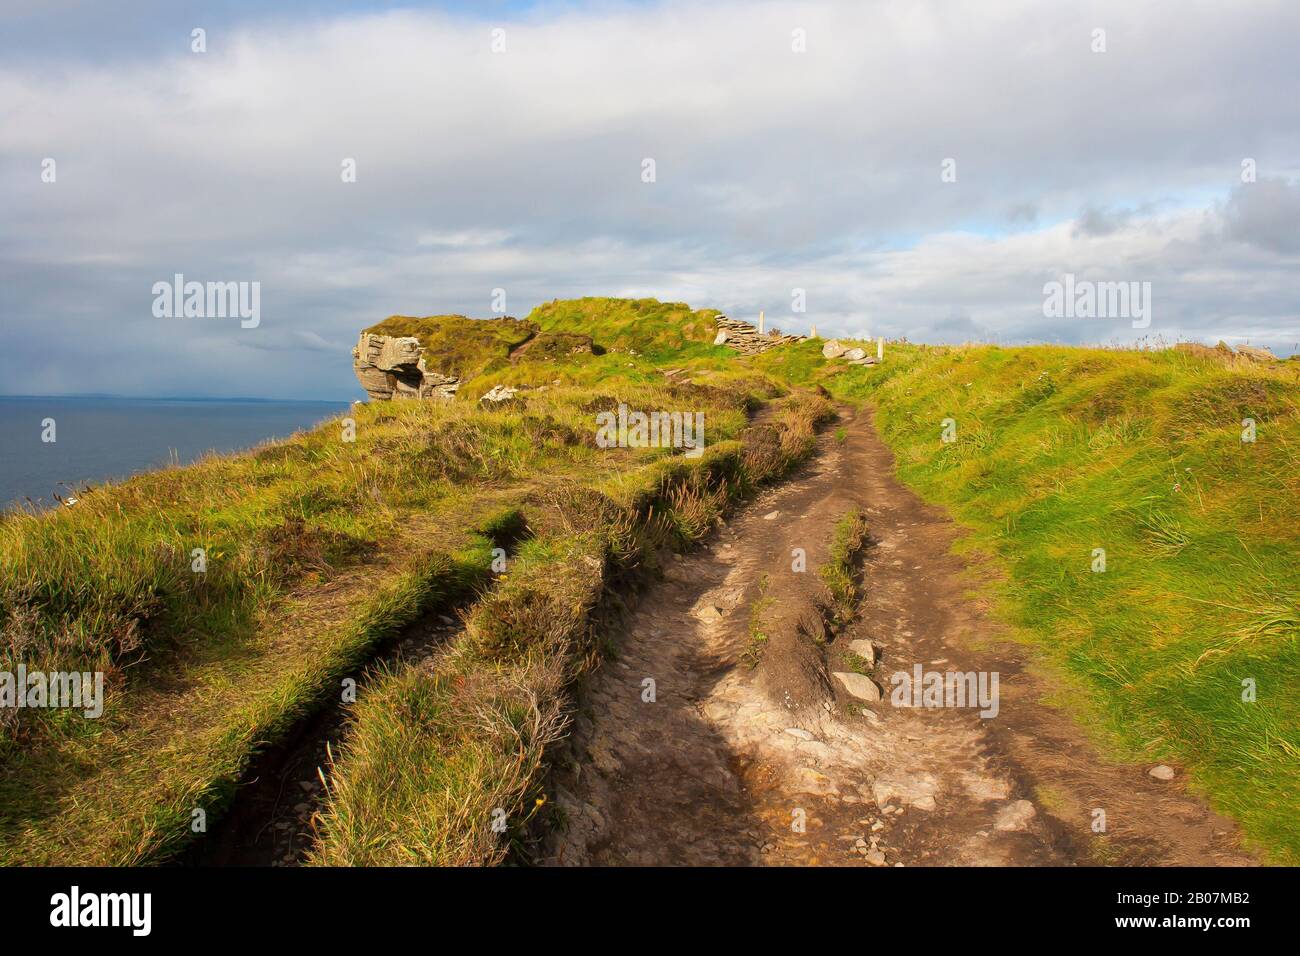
(521, 170)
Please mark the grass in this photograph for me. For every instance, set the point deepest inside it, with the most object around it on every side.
(437, 755)
(319, 549)
(1063, 453)
(838, 574)
(658, 330)
(460, 346)
(757, 633)
(301, 537)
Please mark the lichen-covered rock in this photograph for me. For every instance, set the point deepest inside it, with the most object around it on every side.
(833, 349)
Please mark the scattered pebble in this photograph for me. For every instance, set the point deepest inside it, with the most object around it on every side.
(1162, 772)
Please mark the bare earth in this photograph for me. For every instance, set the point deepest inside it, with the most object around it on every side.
(776, 764)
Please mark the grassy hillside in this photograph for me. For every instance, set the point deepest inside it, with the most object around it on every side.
(657, 330)
(1060, 451)
(317, 549)
(320, 548)
(461, 346)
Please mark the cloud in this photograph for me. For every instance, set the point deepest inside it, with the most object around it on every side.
(521, 170)
(1267, 214)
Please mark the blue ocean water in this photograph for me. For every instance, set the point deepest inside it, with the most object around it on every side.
(98, 439)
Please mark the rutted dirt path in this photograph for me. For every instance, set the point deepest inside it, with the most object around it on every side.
(774, 763)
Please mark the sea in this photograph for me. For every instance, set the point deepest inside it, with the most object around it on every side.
(108, 439)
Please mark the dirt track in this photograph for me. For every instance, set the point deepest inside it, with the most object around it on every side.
(777, 764)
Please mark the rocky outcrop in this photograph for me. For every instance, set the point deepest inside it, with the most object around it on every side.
(1256, 354)
(746, 339)
(854, 356)
(499, 395)
(393, 367)
(1223, 350)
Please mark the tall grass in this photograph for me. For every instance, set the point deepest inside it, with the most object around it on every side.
(301, 537)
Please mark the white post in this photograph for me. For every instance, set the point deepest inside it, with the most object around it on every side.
(880, 349)
(760, 323)
(812, 332)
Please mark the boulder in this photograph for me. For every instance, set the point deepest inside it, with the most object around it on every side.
(854, 355)
(864, 649)
(499, 394)
(859, 685)
(1256, 354)
(833, 349)
(721, 337)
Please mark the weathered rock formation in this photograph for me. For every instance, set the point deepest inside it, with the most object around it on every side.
(1224, 350)
(1256, 354)
(393, 367)
(746, 339)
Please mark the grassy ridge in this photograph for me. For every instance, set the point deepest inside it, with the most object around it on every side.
(435, 757)
(302, 538)
(1060, 451)
(659, 330)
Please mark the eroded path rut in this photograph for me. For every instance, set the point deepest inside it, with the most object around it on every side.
(775, 763)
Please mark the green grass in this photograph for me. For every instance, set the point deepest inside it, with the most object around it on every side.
(460, 346)
(436, 755)
(658, 330)
(753, 653)
(1060, 451)
(318, 549)
(838, 574)
(205, 669)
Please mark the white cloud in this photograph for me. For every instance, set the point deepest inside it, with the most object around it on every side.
(775, 170)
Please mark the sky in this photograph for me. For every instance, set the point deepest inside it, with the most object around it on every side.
(907, 169)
